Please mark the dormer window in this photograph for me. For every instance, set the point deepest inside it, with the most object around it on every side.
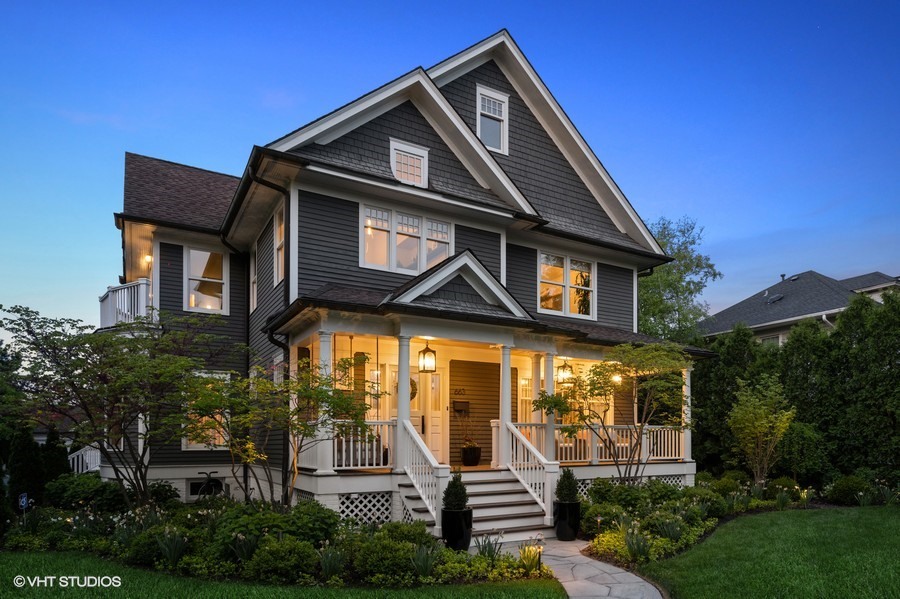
(409, 163)
(493, 119)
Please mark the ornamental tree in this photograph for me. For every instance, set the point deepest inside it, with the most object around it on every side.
(647, 376)
(759, 419)
(104, 388)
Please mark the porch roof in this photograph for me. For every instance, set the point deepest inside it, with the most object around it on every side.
(372, 301)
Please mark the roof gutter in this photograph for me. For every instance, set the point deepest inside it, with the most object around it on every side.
(661, 258)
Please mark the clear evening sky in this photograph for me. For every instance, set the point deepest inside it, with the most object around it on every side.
(775, 125)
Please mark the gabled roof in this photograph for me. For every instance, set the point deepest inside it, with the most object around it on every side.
(872, 280)
(418, 88)
(805, 295)
(501, 48)
(467, 267)
(163, 192)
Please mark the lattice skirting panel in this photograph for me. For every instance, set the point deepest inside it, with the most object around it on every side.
(407, 515)
(671, 479)
(583, 485)
(366, 507)
(305, 495)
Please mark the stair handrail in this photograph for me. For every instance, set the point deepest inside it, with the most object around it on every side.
(536, 473)
(427, 476)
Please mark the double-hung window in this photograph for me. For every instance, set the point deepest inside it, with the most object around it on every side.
(566, 286)
(409, 163)
(492, 125)
(206, 288)
(278, 233)
(253, 271)
(402, 242)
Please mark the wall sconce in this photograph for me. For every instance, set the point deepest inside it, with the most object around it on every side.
(617, 379)
(564, 374)
(148, 259)
(427, 359)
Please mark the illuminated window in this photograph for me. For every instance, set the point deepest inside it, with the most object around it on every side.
(205, 282)
(402, 242)
(409, 163)
(566, 286)
(493, 119)
(279, 245)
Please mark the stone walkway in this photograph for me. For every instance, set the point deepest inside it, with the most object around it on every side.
(584, 577)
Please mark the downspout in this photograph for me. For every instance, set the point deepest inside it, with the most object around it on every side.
(826, 321)
(287, 231)
(270, 335)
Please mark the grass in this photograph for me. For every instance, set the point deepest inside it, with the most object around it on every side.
(139, 583)
(823, 553)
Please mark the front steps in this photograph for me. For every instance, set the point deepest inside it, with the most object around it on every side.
(499, 502)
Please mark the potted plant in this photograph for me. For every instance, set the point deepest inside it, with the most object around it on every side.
(567, 507)
(470, 452)
(456, 515)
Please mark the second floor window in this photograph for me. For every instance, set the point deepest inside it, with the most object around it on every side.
(401, 242)
(279, 245)
(205, 280)
(566, 286)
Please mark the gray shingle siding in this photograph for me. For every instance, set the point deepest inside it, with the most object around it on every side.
(367, 149)
(535, 164)
(615, 296)
(484, 244)
(328, 247)
(521, 275)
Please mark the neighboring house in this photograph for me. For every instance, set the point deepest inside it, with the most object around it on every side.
(771, 313)
(454, 209)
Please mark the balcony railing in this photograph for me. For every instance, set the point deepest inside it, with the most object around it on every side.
(124, 303)
(86, 459)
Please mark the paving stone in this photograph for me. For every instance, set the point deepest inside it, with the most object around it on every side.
(585, 589)
(643, 590)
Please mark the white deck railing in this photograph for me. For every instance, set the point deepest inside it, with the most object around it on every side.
(534, 471)
(86, 459)
(428, 477)
(124, 303)
(597, 444)
(372, 447)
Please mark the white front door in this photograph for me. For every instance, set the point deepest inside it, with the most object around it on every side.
(437, 436)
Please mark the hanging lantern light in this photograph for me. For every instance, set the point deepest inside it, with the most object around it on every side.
(427, 359)
(565, 376)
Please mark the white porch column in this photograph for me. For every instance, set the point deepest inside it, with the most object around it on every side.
(535, 385)
(325, 444)
(403, 407)
(505, 405)
(686, 417)
(550, 419)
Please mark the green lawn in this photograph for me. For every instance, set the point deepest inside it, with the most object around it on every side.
(840, 553)
(142, 583)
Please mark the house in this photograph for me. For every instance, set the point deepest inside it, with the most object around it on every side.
(453, 215)
(771, 313)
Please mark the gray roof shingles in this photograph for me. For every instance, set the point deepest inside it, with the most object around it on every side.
(866, 281)
(164, 191)
(802, 295)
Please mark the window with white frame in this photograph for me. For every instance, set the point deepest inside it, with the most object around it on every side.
(206, 288)
(492, 125)
(409, 163)
(402, 242)
(253, 271)
(278, 233)
(566, 286)
(208, 428)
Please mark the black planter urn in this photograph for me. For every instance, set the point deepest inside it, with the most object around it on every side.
(471, 456)
(568, 519)
(456, 526)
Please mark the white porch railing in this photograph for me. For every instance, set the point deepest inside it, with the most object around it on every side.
(534, 471)
(587, 445)
(124, 303)
(428, 477)
(356, 449)
(86, 459)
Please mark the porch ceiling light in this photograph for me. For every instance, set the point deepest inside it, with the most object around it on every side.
(565, 375)
(427, 359)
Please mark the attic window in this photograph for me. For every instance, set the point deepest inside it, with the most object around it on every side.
(493, 119)
(409, 163)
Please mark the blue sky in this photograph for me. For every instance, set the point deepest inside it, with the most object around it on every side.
(775, 125)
